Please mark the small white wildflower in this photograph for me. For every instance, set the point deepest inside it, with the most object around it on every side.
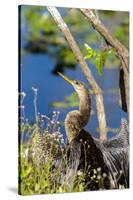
(45, 116)
(51, 136)
(52, 122)
(46, 131)
(98, 177)
(99, 169)
(81, 140)
(60, 136)
(57, 139)
(56, 146)
(54, 134)
(62, 140)
(88, 146)
(104, 175)
(58, 122)
(58, 112)
(62, 149)
(54, 112)
(85, 142)
(79, 173)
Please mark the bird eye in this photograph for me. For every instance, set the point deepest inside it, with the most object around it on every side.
(76, 82)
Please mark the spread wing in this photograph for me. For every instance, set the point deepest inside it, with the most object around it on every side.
(116, 155)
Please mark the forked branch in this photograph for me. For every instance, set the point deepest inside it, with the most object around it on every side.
(85, 69)
(121, 50)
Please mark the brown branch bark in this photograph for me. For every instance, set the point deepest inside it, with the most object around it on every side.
(85, 69)
(121, 50)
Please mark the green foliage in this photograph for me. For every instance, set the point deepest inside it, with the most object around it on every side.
(98, 58)
(39, 22)
(69, 101)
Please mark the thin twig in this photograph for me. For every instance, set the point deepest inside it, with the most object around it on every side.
(121, 50)
(85, 69)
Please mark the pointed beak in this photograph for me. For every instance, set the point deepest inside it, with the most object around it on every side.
(66, 78)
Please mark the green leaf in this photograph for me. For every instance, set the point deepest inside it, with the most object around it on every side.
(90, 51)
(26, 172)
(99, 64)
(98, 58)
(37, 187)
(103, 58)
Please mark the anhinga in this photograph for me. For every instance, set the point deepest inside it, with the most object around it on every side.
(77, 119)
(111, 156)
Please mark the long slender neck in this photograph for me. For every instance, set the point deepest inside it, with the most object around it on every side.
(84, 106)
(76, 120)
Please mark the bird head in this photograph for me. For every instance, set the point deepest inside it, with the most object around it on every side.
(78, 86)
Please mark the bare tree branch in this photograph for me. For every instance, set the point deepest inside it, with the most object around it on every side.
(121, 50)
(85, 69)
